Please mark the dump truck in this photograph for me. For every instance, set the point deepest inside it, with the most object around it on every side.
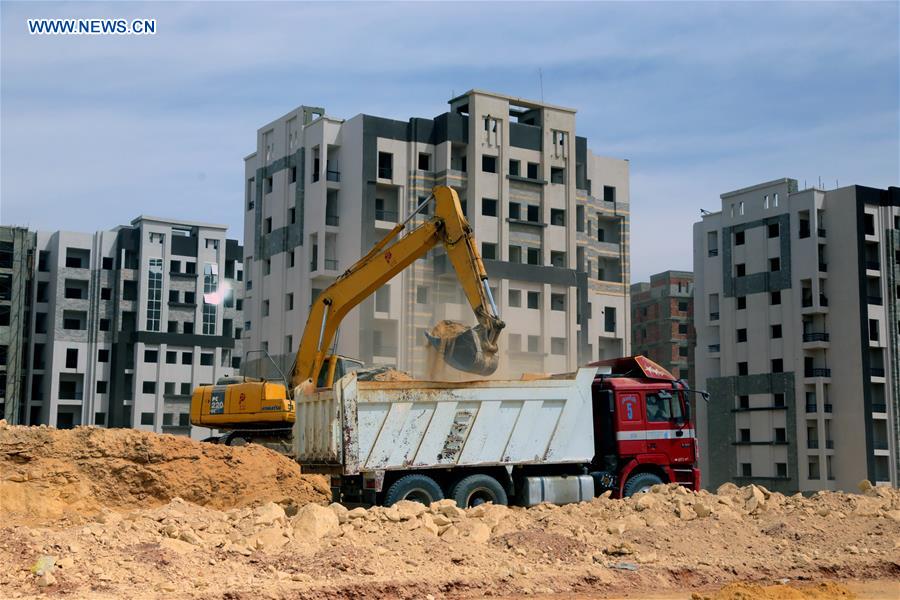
(622, 425)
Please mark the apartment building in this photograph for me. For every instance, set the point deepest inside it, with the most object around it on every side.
(16, 258)
(797, 319)
(662, 321)
(551, 217)
(127, 322)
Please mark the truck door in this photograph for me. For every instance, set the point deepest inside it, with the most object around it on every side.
(667, 431)
(631, 433)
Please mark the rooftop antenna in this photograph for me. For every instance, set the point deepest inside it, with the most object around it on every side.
(541, 78)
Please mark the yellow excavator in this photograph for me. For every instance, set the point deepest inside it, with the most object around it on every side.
(251, 409)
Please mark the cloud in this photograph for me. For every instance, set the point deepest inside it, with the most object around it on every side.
(701, 98)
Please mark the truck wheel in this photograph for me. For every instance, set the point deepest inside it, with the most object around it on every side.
(478, 489)
(641, 483)
(416, 488)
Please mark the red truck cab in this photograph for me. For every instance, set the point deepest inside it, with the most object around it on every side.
(643, 430)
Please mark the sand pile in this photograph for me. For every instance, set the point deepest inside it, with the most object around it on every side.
(47, 473)
(669, 539)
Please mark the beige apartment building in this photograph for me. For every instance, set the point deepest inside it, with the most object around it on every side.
(551, 217)
(797, 321)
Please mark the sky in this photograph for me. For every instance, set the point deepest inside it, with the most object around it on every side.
(701, 98)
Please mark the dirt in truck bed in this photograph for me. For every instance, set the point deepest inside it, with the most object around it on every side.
(128, 538)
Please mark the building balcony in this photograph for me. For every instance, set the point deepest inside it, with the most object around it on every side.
(812, 444)
(818, 339)
(183, 275)
(873, 265)
(331, 264)
(385, 173)
(817, 372)
(334, 176)
(829, 444)
(828, 407)
(823, 267)
(880, 445)
(390, 216)
(875, 300)
(713, 316)
(811, 408)
(714, 348)
(879, 408)
(332, 220)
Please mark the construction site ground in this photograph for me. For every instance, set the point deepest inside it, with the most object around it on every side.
(96, 513)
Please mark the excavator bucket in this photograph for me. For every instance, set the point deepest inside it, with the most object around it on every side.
(464, 348)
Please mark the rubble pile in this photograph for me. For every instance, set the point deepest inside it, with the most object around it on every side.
(669, 538)
(46, 473)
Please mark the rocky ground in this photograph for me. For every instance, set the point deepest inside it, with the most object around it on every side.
(733, 544)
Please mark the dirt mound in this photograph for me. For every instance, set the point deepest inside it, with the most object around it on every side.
(47, 473)
(667, 540)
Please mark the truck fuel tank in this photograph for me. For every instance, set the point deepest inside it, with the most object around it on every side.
(557, 489)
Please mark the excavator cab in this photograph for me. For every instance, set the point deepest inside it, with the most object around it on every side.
(335, 367)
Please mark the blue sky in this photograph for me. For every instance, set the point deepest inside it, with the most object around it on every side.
(702, 98)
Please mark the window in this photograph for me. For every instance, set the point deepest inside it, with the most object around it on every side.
(210, 287)
(778, 399)
(489, 207)
(289, 301)
(532, 172)
(515, 210)
(515, 298)
(148, 387)
(659, 408)
(212, 244)
(534, 343)
(103, 355)
(741, 335)
(104, 324)
(534, 213)
(290, 262)
(775, 298)
(774, 264)
(185, 389)
(682, 306)
(488, 163)
(746, 470)
(744, 435)
(773, 230)
(514, 166)
(385, 165)
(207, 358)
(488, 250)
(533, 256)
(188, 327)
(154, 294)
(738, 238)
(269, 183)
(515, 254)
(609, 193)
(237, 333)
(71, 358)
(534, 300)
(742, 368)
(268, 225)
(740, 270)
(187, 358)
(421, 294)
(870, 224)
(424, 161)
(558, 346)
(744, 401)
(780, 434)
(558, 302)
(105, 293)
(776, 332)
(169, 388)
(609, 319)
(682, 351)
(873, 330)
(146, 418)
(515, 342)
(151, 356)
(777, 365)
(682, 328)
(101, 387)
(780, 468)
(741, 302)
(558, 217)
(557, 175)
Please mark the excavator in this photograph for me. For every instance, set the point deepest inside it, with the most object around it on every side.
(259, 410)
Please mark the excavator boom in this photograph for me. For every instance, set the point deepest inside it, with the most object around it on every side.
(474, 350)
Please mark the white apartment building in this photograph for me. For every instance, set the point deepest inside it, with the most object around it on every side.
(552, 220)
(127, 322)
(797, 320)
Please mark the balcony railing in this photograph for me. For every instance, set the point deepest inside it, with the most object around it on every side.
(829, 444)
(385, 215)
(828, 407)
(713, 251)
(873, 265)
(385, 173)
(876, 300)
(821, 231)
(879, 408)
(806, 302)
(880, 445)
(714, 347)
(812, 444)
(876, 371)
(823, 300)
(332, 220)
(71, 395)
(818, 372)
(810, 408)
(815, 337)
(331, 264)
(713, 316)
(823, 267)
(333, 175)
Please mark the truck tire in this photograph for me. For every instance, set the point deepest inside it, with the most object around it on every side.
(478, 489)
(416, 488)
(640, 483)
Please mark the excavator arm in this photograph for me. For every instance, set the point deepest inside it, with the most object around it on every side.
(474, 350)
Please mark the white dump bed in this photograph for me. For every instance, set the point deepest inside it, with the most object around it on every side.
(368, 425)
